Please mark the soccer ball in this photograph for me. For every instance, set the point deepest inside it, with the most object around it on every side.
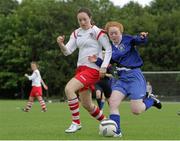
(107, 128)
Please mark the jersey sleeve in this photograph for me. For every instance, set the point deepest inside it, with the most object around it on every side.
(71, 45)
(99, 62)
(105, 43)
(136, 40)
(33, 76)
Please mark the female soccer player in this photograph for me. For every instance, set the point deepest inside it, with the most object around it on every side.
(89, 39)
(36, 91)
(131, 82)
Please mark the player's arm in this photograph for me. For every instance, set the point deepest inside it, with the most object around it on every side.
(140, 39)
(44, 85)
(104, 41)
(33, 76)
(60, 41)
(98, 61)
(69, 47)
(94, 59)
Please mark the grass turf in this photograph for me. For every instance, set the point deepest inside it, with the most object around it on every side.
(35, 125)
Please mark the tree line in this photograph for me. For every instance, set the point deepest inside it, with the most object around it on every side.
(28, 32)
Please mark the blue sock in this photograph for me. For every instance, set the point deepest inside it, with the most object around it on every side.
(116, 118)
(148, 102)
(101, 105)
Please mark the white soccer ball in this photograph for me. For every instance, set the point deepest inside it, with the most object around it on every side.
(50, 101)
(107, 128)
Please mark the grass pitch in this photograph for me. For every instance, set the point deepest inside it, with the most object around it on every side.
(152, 125)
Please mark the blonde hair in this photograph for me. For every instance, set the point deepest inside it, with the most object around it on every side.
(116, 24)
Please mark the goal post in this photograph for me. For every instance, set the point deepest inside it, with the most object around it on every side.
(165, 84)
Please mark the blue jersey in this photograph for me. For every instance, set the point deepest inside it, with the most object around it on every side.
(126, 54)
(131, 81)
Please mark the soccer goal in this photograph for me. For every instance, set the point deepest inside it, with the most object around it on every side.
(165, 84)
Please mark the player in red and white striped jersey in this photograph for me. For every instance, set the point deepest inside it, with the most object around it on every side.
(36, 91)
(89, 39)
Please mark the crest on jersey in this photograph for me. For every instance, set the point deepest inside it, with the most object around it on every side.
(91, 34)
(121, 47)
(78, 35)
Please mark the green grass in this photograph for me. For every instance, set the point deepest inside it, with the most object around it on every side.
(152, 125)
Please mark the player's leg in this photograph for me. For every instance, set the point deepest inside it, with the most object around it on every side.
(29, 104)
(84, 78)
(137, 90)
(38, 95)
(42, 103)
(30, 100)
(140, 105)
(99, 98)
(114, 103)
(137, 106)
(156, 102)
(102, 101)
(86, 101)
(72, 86)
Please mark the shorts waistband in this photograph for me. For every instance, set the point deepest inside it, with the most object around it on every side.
(123, 69)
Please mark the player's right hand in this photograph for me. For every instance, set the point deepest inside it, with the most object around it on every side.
(143, 35)
(60, 40)
(45, 87)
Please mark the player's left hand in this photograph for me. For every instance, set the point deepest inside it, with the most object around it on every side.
(143, 35)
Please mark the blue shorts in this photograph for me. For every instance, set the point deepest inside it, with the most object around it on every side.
(131, 83)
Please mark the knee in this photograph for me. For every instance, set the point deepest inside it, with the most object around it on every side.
(68, 89)
(136, 111)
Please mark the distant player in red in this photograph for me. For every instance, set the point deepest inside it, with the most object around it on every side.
(89, 39)
(36, 91)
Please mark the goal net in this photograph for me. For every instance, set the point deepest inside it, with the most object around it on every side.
(165, 84)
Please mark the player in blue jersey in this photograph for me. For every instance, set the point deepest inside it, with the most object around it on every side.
(131, 82)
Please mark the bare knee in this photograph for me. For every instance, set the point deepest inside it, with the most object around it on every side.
(69, 89)
(137, 107)
(136, 111)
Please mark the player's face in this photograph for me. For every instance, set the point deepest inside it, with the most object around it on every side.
(33, 66)
(84, 20)
(114, 34)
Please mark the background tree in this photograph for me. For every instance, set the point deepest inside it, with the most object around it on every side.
(29, 30)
